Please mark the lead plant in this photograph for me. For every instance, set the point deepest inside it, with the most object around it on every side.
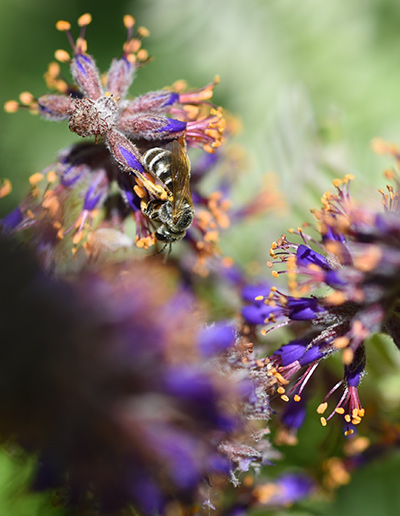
(123, 129)
(343, 287)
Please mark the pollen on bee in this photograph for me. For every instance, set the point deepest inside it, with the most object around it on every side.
(139, 191)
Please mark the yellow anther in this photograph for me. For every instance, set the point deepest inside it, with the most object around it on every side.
(322, 407)
(51, 176)
(81, 44)
(139, 191)
(323, 421)
(339, 410)
(144, 32)
(11, 106)
(280, 378)
(347, 418)
(60, 234)
(348, 355)
(368, 260)
(6, 188)
(143, 55)
(30, 214)
(280, 390)
(341, 342)
(36, 178)
(84, 20)
(63, 25)
(77, 237)
(349, 432)
(275, 274)
(62, 56)
(259, 298)
(297, 398)
(285, 398)
(129, 21)
(336, 298)
(26, 98)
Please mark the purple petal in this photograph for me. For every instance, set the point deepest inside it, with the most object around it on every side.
(303, 308)
(12, 220)
(173, 126)
(216, 339)
(306, 256)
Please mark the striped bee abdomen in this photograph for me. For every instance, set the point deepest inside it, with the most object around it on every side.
(158, 161)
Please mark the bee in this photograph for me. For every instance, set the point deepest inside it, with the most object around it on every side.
(175, 214)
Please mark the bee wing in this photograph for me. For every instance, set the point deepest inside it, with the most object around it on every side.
(180, 175)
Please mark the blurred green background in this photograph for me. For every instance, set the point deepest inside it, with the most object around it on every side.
(313, 82)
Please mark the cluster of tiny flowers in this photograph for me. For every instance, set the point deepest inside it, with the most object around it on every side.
(137, 165)
(115, 384)
(343, 288)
